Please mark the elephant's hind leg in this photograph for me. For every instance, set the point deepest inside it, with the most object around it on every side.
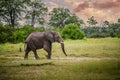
(36, 56)
(26, 52)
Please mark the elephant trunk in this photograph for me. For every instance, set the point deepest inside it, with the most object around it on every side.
(63, 49)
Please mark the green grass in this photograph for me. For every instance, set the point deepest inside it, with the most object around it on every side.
(104, 47)
(18, 69)
(14, 67)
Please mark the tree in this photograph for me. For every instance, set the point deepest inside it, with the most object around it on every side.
(61, 17)
(114, 29)
(10, 11)
(106, 24)
(74, 19)
(72, 31)
(92, 21)
(35, 12)
(119, 20)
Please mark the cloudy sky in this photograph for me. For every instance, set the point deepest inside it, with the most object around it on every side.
(100, 9)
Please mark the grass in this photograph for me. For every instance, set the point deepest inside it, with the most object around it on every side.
(105, 47)
(14, 67)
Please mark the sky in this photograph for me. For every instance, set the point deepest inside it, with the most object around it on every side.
(101, 9)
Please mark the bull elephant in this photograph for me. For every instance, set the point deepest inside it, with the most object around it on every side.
(39, 40)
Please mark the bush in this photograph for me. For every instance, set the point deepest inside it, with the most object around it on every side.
(17, 35)
(5, 33)
(98, 35)
(118, 35)
(21, 33)
(72, 31)
(27, 29)
(40, 29)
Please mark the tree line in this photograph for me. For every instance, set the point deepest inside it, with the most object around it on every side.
(106, 30)
(34, 12)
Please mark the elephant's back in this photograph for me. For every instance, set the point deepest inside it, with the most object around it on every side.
(35, 40)
(34, 36)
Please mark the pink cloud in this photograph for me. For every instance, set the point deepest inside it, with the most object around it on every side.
(101, 10)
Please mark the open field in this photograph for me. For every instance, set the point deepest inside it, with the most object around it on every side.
(89, 59)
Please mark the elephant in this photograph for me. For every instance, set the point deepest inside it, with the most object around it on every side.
(39, 40)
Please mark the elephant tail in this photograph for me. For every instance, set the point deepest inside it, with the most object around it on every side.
(25, 46)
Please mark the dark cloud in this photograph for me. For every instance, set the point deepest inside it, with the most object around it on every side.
(107, 5)
(117, 0)
(97, 5)
(81, 6)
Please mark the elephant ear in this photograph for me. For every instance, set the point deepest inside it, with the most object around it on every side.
(49, 36)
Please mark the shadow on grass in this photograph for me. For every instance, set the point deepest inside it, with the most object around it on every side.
(43, 64)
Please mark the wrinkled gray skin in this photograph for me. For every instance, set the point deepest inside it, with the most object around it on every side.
(39, 40)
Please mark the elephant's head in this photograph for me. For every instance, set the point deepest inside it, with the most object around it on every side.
(55, 37)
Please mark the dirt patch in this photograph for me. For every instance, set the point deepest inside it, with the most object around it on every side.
(76, 58)
(84, 58)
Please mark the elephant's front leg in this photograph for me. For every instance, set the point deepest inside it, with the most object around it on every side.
(47, 48)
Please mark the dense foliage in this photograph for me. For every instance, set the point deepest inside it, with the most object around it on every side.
(11, 11)
(4, 33)
(36, 12)
(19, 35)
(113, 30)
(91, 21)
(72, 31)
(61, 17)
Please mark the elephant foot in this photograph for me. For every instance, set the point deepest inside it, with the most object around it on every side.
(48, 57)
(25, 58)
(37, 58)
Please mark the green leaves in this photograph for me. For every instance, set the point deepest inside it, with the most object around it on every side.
(62, 16)
(36, 12)
(92, 21)
(10, 11)
(72, 31)
(107, 30)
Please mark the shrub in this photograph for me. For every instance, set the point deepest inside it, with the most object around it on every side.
(27, 29)
(5, 34)
(72, 31)
(21, 33)
(118, 35)
(40, 29)
(19, 36)
(98, 35)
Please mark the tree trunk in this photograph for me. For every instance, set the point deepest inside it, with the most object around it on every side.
(33, 19)
(12, 18)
